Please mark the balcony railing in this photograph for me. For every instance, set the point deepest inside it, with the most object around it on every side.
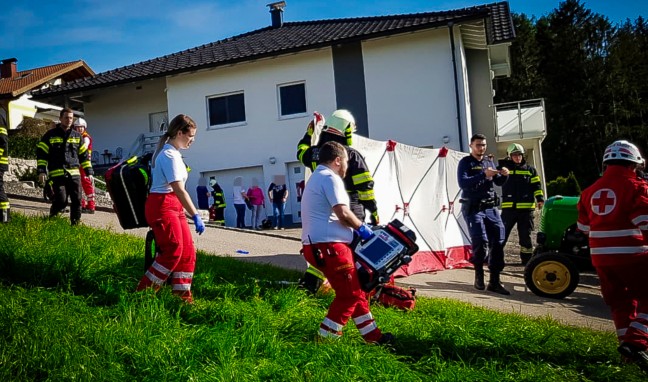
(520, 120)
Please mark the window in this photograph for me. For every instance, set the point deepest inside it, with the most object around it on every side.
(292, 99)
(226, 109)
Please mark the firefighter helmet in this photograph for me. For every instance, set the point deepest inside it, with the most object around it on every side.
(622, 150)
(81, 122)
(515, 148)
(341, 123)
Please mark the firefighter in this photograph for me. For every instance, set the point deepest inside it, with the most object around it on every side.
(219, 202)
(358, 180)
(521, 194)
(61, 154)
(87, 183)
(4, 166)
(476, 175)
(614, 213)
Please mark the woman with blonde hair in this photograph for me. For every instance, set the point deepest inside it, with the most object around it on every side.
(165, 212)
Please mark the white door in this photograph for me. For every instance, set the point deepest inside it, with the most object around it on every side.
(296, 187)
(225, 179)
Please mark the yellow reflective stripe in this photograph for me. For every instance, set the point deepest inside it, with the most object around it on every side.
(86, 164)
(535, 179)
(525, 205)
(221, 205)
(521, 172)
(366, 195)
(55, 173)
(315, 272)
(1, 151)
(3, 131)
(43, 146)
(56, 140)
(74, 140)
(83, 149)
(361, 178)
(132, 160)
(301, 150)
(41, 162)
(4, 205)
(73, 171)
(538, 193)
(507, 205)
(4, 160)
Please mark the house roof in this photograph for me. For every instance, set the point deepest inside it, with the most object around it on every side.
(27, 80)
(293, 37)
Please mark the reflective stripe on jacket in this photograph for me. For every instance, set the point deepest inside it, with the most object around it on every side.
(62, 151)
(523, 187)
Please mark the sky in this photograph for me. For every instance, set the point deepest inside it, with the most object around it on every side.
(115, 33)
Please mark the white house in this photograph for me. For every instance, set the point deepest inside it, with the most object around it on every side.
(422, 79)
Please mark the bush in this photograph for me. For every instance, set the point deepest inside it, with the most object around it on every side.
(564, 186)
(23, 140)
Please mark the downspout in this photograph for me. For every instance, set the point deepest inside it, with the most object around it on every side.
(456, 82)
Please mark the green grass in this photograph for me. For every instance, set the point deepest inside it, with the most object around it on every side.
(68, 312)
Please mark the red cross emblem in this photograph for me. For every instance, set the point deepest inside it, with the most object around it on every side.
(603, 201)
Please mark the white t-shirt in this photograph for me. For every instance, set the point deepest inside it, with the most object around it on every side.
(238, 198)
(169, 167)
(324, 190)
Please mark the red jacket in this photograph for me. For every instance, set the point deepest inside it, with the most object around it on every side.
(614, 212)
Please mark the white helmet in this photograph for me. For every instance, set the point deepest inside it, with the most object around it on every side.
(341, 123)
(622, 150)
(81, 122)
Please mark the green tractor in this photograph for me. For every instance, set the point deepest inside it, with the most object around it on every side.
(562, 251)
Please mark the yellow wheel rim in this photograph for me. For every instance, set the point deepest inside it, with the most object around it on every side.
(551, 277)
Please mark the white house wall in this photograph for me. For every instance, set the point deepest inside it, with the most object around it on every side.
(410, 88)
(264, 134)
(117, 116)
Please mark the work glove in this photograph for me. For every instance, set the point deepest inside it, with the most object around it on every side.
(375, 220)
(200, 226)
(365, 232)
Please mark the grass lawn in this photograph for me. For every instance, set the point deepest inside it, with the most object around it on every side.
(68, 312)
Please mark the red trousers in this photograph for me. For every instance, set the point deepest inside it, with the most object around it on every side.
(177, 258)
(625, 291)
(350, 300)
(88, 190)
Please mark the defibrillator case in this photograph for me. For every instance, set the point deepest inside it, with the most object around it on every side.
(128, 184)
(391, 247)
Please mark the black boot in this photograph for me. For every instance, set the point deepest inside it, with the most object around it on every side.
(495, 286)
(479, 277)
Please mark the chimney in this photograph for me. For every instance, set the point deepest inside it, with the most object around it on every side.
(276, 10)
(8, 68)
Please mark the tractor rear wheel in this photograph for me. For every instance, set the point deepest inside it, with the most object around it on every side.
(551, 275)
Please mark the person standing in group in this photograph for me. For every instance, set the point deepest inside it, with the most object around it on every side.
(327, 231)
(239, 197)
(61, 154)
(219, 202)
(87, 184)
(4, 167)
(165, 212)
(257, 199)
(278, 194)
(521, 194)
(614, 213)
(358, 181)
(476, 175)
(202, 194)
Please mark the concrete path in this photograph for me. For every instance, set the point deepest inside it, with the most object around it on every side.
(583, 308)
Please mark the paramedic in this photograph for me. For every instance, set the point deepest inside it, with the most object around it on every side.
(327, 230)
(4, 166)
(61, 154)
(521, 194)
(165, 212)
(87, 184)
(358, 181)
(614, 213)
(477, 174)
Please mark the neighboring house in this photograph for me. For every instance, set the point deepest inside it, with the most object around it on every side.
(15, 87)
(422, 79)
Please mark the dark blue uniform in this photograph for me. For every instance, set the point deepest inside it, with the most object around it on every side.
(479, 202)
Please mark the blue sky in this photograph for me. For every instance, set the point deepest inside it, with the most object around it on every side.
(115, 33)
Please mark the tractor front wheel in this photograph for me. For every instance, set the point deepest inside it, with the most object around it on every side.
(551, 275)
